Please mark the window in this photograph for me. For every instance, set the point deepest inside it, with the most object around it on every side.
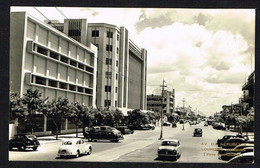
(95, 33)
(116, 103)
(73, 63)
(63, 85)
(107, 103)
(53, 83)
(109, 75)
(73, 32)
(109, 47)
(64, 59)
(54, 55)
(80, 89)
(116, 89)
(81, 66)
(117, 63)
(116, 76)
(72, 87)
(117, 37)
(40, 80)
(109, 34)
(107, 88)
(109, 61)
(42, 50)
(117, 50)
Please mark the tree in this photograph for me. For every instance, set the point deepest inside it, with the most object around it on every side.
(17, 108)
(77, 113)
(33, 101)
(137, 117)
(118, 116)
(108, 118)
(59, 110)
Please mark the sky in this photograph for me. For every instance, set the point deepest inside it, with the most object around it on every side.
(206, 55)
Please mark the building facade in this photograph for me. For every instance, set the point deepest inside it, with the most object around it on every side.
(43, 58)
(122, 67)
(154, 102)
(248, 98)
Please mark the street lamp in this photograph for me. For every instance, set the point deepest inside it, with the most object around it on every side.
(183, 100)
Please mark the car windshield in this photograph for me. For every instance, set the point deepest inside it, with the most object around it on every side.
(31, 137)
(169, 143)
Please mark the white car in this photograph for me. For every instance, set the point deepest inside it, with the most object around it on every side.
(170, 148)
(243, 158)
(74, 147)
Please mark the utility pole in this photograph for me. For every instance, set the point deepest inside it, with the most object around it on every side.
(163, 86)
(183, 101)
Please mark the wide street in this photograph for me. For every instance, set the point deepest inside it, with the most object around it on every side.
(138, 147)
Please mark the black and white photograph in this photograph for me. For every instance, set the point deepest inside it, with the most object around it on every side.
(132, 85)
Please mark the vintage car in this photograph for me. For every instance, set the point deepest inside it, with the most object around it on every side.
(170, 148)
(103, 133)
(24, 141)
(151, 126)
(166, 124)
(232, 142)
(124, 130)
(74, 147)
(197, 132)
(226, 137)
(243, 158)
(174, 125)
(227, 154)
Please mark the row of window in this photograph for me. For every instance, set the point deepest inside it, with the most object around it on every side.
(62, 58)
(61, 85)
(95, 33)
(109, 75)
(108, 88)
(109, 61)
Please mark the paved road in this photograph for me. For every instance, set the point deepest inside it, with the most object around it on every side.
(138, 147)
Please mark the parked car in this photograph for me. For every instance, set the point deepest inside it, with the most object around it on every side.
(24, 141)
(170, 148)
(74, 147)
(151, 126)
(103, 133)
(124, 130)
(227, 154)
(219, 126)
(174, 125)
(226, 137)
(197, 132)
(243, 158)
(166, 124)
(138, 127)
(232, 142)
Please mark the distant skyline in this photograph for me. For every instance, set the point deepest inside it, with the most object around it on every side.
(206, 55)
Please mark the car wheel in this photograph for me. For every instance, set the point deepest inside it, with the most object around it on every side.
(90, 139)
(34, 148)
(90, 150)
(22, 147)
(77, 154)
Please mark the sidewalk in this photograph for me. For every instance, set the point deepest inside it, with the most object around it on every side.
(52, 138)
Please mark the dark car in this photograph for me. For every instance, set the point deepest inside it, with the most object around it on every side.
(197, 132)
(124, 130)
(166, 124)
(24, 141)
(174, 125)
(103, 133)
(233, 142)
(243, 158)
(226, 137)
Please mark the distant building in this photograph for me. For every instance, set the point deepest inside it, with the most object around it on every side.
(248, 99)
(154, 102)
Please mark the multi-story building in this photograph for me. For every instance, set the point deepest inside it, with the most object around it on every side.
(248, 89)
(154, 102)
(122, 67)
(43, 58)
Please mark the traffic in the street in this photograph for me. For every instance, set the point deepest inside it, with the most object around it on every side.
(141, 146)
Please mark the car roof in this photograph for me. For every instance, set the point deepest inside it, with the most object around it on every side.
(71, 140)
(174, 140)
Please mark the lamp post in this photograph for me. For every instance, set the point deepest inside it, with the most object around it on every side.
(161, 134)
